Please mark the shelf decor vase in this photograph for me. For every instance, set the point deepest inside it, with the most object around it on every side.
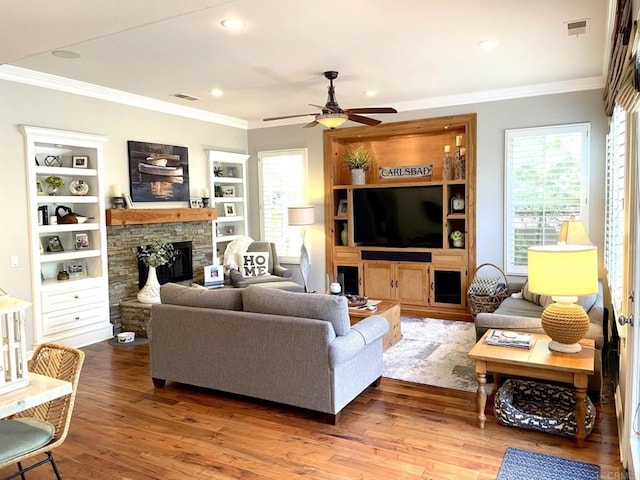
(357, 176)
(344, 235)
(150, 293)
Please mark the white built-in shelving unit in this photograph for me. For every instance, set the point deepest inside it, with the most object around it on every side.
(228, 177)
(72, 311)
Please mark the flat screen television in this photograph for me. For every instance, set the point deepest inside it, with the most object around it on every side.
(398, 216)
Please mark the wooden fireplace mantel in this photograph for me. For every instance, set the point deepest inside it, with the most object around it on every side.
(142, 216)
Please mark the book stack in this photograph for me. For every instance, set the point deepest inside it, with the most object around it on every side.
(506, 338)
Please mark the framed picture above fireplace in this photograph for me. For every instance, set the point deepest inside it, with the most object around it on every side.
(158, 172)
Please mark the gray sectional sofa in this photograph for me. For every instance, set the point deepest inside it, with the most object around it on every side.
(292, 348)
(522, 313)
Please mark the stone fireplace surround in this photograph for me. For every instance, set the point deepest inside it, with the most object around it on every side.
(122, 241)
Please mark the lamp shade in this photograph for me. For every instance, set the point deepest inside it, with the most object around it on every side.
(572, 232)
(563, 270)
(303, 215)
(332, 120)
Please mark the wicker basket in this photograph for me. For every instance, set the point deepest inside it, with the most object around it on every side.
(487, 303)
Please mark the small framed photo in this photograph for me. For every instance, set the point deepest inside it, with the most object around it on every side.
(229, 209)
(39, 188)
(229, 191)
(81, 241)
(76, 268)
(232, 171)
(128, 203)
(80, 161)
(54, 244)
(342, 208)
(195, 202)
(229, 230)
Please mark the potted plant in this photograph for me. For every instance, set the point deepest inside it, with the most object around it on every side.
(457, 237)
(154, 256)
(54, 183)
(357, 159)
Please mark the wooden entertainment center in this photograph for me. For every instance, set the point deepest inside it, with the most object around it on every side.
(429, 281)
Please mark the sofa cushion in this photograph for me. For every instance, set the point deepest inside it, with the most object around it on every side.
(330, 308)
(221, 298)
(255, 264)
(585, 301)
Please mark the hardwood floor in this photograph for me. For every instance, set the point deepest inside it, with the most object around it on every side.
(124, 428)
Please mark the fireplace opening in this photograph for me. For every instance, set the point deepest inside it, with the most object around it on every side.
(180, 270)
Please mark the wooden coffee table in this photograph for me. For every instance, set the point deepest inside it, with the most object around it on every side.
(389, 310)
(537, 362)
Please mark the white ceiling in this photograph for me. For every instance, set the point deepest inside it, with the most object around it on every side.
(415, 53)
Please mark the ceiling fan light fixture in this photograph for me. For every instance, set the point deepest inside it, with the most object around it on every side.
(332, 120)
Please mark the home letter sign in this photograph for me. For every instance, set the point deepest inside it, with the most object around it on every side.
(405, 172)
(255, 264)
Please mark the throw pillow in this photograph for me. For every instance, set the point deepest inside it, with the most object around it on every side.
(483, 286)
(255, 264)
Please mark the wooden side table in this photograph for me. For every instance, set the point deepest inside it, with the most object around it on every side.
(390, 311)
(537, 362)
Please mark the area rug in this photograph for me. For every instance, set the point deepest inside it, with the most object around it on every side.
(433, 352)
(520, 464)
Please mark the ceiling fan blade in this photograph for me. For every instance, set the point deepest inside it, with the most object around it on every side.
(288, 116)
(372, 110)
(312, 124)
(365, 120)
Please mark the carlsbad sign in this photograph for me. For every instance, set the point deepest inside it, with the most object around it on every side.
(411, 171)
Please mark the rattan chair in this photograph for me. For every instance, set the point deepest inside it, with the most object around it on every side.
(40, 429)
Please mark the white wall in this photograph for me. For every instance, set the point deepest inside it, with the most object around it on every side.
(493, 119)
(27, 105)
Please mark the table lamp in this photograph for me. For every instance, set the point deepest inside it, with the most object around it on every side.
(301, 217)
(572, 232)
(564, 272)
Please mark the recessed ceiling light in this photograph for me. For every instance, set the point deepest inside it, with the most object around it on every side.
(233, 24)
(65, 54)
(488, 44)
(370, 93)
(216, 92)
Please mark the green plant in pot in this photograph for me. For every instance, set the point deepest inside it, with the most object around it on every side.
(457, 237)
(357, 159)
(153, 256)
(54, 183)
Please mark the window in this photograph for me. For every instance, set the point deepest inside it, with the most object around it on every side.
(546, 183)
(282, 180)
(614, 207)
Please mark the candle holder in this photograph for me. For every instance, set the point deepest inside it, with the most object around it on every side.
(447, 164)
(459, 163)
(117, 202)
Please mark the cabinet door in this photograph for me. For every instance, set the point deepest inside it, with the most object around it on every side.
(447, 287)
(379, 280)
(412, 283)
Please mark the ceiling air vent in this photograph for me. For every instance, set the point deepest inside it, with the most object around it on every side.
(184, 96)
(577, 27)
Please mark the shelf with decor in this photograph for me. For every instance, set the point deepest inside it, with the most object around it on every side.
(418, 189)
(69, 260)
(228, 184)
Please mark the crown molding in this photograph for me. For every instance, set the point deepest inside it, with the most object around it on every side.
(591, 83)
(54, 82)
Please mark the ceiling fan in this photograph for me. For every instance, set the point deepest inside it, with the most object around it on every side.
(332, 115)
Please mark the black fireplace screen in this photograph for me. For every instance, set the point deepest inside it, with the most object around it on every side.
(182, 268)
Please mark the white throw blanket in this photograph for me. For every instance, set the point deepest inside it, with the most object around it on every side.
(234, 251)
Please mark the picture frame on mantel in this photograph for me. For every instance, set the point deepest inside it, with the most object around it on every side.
(158, 172)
